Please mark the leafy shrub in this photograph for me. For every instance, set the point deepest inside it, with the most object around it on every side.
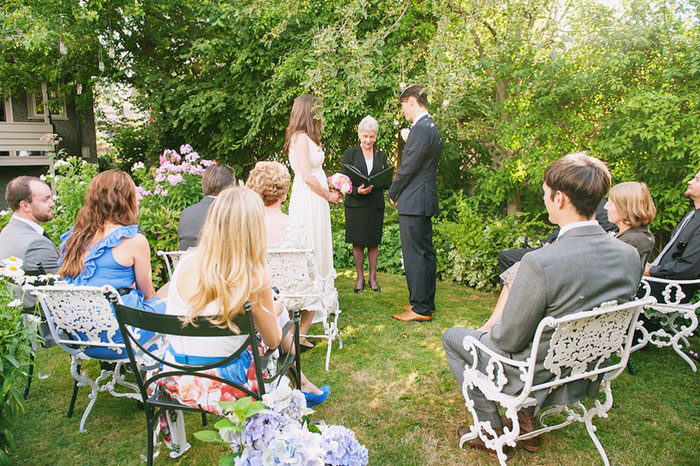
(468, 242)
(15, 351)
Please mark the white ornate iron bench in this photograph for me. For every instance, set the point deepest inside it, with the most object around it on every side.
(678, 320)
(77, 316)
(293, 272)
(580, 347)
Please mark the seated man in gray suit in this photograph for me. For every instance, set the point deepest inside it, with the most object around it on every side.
(584, 268)
(216, 178)
(31, 203)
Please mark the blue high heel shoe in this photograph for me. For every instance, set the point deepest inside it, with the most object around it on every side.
(313, 400)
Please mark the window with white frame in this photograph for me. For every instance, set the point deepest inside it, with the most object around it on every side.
(36, 108)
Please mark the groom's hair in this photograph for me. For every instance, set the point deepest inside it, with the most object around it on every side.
(416, 91)
(584, 179)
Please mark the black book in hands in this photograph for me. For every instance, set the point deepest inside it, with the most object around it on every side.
(383, 178)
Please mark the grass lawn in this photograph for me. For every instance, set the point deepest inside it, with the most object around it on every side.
(390, 384)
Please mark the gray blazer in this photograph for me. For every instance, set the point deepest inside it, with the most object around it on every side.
(191, 222)
(414, 187)
(21, 240)
(584, 268)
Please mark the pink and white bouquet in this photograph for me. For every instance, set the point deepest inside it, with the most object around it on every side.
(340, 182)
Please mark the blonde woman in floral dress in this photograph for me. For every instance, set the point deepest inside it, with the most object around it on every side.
(236, 213)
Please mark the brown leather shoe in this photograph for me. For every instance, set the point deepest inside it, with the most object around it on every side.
(409, 307)
(528, 423)
(479, 444)
(410, 316)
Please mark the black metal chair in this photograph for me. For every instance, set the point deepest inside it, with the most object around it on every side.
(155, 404)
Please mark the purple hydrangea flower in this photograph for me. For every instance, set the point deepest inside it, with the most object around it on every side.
(342, 448)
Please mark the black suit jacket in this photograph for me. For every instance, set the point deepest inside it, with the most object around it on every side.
(191, 222)
(682, 260)
(414, 187)
(375, 198)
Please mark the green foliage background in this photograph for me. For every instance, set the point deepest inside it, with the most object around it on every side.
(512, 85)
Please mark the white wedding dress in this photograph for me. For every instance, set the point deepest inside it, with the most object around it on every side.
(312, 211)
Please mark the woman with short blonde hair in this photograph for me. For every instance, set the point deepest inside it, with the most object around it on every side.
(632, 209)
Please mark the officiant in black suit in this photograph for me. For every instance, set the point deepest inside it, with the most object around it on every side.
(414, 193)
(364, 207)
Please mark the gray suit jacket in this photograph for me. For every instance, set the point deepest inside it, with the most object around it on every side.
(584, 268)
(414, 187)
(682, 260)
(21, 240)
(191, 222)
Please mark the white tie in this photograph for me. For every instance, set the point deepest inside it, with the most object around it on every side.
(673, 238)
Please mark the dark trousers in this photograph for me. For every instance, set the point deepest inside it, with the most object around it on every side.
(419, 261)
(508, 257)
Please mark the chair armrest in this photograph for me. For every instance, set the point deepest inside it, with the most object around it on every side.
(495, 371)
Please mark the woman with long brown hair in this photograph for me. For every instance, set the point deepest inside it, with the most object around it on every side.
(308, 204)
(105, 247)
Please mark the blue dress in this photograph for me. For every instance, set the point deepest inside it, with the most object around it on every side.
(101, 269)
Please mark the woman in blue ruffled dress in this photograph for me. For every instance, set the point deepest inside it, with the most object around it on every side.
(105, 247)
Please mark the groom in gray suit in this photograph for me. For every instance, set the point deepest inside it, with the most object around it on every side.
(414, 193)
(584, 268)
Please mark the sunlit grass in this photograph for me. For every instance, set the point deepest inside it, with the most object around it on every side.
(390, 384)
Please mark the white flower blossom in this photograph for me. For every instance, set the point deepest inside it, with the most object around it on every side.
(60, 163)
(15, 303)
(42, 177)
(137, 166)
(4, 212)
(12, 260)
(445, 103)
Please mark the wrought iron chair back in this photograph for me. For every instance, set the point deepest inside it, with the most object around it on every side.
(674, 310)
(155, 404)
(79, 318)
(581, 346)
(293, 272)
(171, 259)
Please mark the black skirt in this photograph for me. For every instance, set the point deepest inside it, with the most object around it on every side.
(363, 225)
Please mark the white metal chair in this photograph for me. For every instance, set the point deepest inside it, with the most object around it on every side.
(77, 316)
(293, 272)
(678, 320)
(171, 259)
(580, 348)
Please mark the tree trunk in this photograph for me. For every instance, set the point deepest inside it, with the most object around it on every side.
(514, 203)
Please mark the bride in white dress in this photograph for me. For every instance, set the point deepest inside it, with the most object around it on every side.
(308, 203)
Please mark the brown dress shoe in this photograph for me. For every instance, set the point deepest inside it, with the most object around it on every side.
(409, 307)
(528, 423)
(479, 444)
(410, 316)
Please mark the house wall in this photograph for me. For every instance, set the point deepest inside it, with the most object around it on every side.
(78, 133)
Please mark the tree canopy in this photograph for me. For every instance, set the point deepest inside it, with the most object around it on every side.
(513, 85)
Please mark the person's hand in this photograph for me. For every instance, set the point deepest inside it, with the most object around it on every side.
(334, 196)
(394, 203)
(365, 189)
(278, 306)
(646, 270)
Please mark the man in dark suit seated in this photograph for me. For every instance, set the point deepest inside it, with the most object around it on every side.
(215, 179)
(571, 275)
(31, 202)
(508, 257)
(680, 258)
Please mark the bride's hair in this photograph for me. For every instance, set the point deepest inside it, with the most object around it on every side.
(110, 197)
(230, 257)
(305, 118)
